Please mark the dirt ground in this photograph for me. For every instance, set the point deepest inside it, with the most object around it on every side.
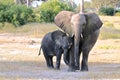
(19, 60)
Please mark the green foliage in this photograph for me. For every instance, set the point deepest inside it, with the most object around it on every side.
(117, 10)
(49, 9)
(16, 14)
(7, 1)
(97, 4)
(106, 11)
(19, 14)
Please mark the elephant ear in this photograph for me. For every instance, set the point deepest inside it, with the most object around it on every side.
(93, 23)
(57, 34)
(63, 21)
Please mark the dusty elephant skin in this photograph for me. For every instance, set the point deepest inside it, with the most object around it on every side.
(54, 44)
(85, 25)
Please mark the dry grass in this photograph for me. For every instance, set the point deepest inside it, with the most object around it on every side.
(115, 20)
(31, 29)
(111, 27)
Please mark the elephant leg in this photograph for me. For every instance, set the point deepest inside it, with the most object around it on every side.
(88, 44)
(47, 58)
(71, 60)
(51, 61)
(47, 61)
(84, 65)
(58, 59)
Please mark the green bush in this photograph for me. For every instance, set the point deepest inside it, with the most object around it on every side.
(118, 10)
(107, 11)
(49, 9)
(7, 1)
(19, 14)
(16, 14)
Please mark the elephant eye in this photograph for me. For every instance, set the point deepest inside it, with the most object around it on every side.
(83, 26)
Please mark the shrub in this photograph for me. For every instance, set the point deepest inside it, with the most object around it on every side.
(16, 14)
(107, 11)
(49, 9)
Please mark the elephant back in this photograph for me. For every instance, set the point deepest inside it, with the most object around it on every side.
(57, 34)
(63, 20)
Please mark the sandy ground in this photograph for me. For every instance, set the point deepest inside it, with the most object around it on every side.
(19, 60)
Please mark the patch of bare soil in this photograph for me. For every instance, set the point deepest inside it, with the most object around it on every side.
(19, 60)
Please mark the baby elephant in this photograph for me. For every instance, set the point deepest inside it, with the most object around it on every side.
(54, 44)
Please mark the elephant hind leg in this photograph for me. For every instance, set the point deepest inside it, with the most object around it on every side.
(47, 62)
(47, 58)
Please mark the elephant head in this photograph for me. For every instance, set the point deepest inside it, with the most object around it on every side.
(76, 25)
(65, 43)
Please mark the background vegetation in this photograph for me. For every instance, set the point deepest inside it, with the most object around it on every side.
(18, 19)
(49, 10)
(19, 14)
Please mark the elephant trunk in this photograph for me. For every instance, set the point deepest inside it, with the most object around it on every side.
(76, 46)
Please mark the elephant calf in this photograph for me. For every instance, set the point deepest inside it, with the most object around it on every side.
(54, 44)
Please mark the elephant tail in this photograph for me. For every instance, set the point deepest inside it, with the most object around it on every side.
(39, 51)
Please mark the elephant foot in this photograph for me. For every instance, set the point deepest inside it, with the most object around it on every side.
(77, 68)
(84, 69)
(50, 67)
(57, 68)
(71, 69)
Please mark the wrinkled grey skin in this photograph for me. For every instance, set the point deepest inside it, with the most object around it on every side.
(54, 44)
(84, 28)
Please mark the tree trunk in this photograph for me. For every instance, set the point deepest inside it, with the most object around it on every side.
(81, 6)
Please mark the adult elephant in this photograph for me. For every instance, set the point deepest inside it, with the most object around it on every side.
(85, 28)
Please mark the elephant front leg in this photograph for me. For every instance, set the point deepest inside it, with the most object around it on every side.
(51, 61)
(58, 59)
(84, 65)
(71, 61)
